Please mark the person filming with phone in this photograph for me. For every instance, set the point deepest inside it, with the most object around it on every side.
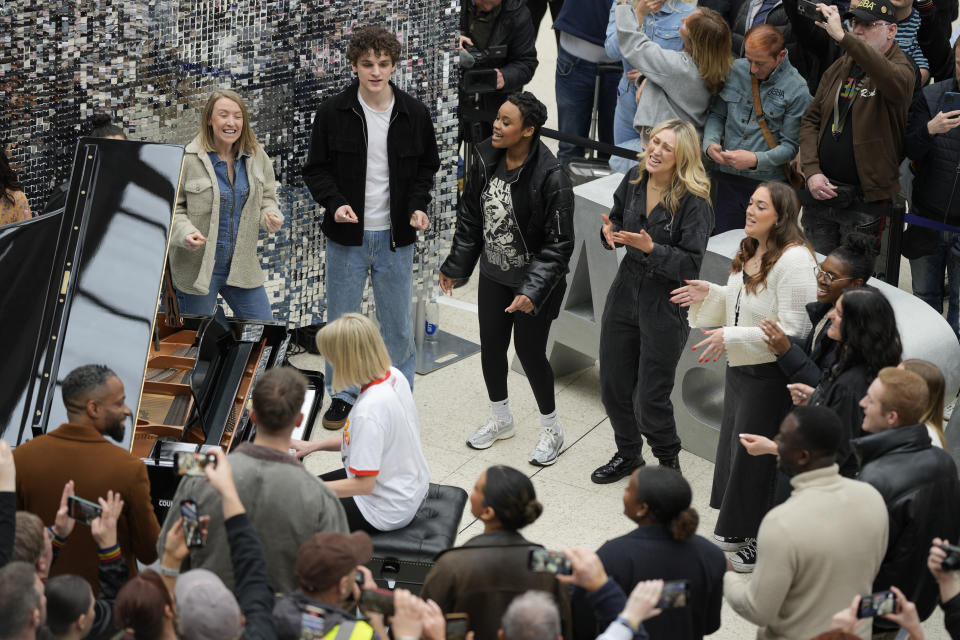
(932, 142)
(851, 135)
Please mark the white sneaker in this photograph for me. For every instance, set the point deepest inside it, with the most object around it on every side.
(494, 429)
(548, 446)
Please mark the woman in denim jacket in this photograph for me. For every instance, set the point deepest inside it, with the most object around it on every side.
(662, 27)
(227, 194)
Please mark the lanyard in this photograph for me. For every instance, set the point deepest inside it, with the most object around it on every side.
(840, 119)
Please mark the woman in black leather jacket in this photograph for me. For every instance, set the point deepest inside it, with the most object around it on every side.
(516, 217)
(662, 214)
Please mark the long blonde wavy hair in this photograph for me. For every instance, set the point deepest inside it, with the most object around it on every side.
(709, 44)
(689, 176)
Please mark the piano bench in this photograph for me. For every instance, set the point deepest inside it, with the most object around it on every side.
(402, 558)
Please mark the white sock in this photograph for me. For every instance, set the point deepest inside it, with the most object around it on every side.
(501, 410)
(550, 420)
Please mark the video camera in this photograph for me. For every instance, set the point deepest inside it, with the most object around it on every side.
(479, 67)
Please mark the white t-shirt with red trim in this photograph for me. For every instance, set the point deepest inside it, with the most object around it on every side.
(382, 438)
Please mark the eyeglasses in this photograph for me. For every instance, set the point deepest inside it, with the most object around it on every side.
(851, 23)
(828, 277)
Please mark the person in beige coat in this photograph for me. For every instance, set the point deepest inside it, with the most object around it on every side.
(227, 193)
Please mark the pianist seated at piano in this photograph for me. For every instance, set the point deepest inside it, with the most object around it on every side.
(227, 193)
(385, 475)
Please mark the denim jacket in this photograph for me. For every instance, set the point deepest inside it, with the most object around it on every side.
(732, 124)
(663, 27)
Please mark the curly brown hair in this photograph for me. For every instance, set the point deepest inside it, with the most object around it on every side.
(376, 39)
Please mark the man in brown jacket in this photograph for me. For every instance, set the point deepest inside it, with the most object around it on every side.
(78, 451)
(851, 136)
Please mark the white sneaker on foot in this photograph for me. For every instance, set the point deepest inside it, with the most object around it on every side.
(494, 429)
(548, 446)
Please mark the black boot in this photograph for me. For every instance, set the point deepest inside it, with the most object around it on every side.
(618, 467)
(671, 463)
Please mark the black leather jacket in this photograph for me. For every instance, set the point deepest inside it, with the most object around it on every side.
(920, 487)
(548, 234)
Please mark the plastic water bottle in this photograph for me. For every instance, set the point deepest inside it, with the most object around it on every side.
(431, 322)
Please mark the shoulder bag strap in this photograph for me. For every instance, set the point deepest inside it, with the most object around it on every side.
(767, 135)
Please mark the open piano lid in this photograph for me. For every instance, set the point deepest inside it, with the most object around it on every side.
(82, 285)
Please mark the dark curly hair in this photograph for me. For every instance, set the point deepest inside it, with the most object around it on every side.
(858, 251)
(868, 333)
(511, 496)
(8, 179)
(533, 112)
(377, 39)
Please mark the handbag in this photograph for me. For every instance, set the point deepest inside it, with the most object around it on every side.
(794, 178)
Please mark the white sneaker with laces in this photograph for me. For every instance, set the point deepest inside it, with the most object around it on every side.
(494, 429)
(548, 446)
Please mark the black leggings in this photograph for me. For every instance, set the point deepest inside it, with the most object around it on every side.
(529, 339)
(355, 519)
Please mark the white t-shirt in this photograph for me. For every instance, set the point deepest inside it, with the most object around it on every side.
(376, 195)
(382, 438)
(934, 438)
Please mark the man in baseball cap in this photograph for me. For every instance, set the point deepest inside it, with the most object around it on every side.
(325, 572)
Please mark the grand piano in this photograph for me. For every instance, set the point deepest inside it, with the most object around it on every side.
(83, 285)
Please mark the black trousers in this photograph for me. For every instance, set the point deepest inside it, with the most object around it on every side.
(642, 335)
(529, 339)
(755, 400)
(355, 519)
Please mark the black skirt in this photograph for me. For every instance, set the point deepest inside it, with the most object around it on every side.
(755, 401)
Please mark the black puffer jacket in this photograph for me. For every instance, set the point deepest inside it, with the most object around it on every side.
(936, 158)
(919, 485)
(548, 233)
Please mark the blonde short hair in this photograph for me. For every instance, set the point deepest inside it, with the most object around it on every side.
(353, 347)
(247, 140)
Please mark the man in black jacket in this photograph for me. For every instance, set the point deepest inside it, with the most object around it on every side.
(918, 483)
(499, 37)
(372, 158)
(932, 141)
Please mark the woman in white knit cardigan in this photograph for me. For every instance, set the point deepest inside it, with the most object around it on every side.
(772, 276)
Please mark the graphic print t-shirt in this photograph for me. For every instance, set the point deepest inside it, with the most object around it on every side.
(504, 252)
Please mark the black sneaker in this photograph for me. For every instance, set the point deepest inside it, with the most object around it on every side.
(618, 467)
(745, 560)
(336, 415)
(671, 463)
(729, 543)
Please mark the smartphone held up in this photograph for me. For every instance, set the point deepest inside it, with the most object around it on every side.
(83, 511)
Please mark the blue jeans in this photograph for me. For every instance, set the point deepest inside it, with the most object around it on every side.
(928, 277)
(574, 88)
(624, 135)
(249, 304)
(391, 274)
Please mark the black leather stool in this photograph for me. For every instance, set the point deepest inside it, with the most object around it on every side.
(402, 558)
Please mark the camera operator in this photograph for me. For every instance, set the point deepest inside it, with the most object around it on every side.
(498, 57)
(944, 565)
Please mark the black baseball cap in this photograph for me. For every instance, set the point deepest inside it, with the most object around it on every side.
(870, 10)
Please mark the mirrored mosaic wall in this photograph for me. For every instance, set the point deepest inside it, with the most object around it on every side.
(151, 64)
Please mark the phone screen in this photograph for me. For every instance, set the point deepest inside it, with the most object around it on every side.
(457, 626)
(192, 532)
(675, 594)
(83, 510)
(192, 464)
(877, 604)
(542, 560)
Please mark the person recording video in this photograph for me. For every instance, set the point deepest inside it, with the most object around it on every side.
(498, 56)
